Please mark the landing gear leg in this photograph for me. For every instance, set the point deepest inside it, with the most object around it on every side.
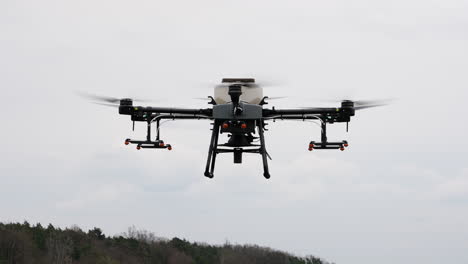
(324, 133)
(157, 129)
(210, 163)
(215, 152)
(266, 172)
(148, 134)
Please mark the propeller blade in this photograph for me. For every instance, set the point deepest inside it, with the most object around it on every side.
(276, 97)
(367, 106)
(362, 102)
(372, 102)
(106, 99)
(107, 104)
(94, 97)
(248, 85)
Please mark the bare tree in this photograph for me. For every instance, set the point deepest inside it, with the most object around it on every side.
(11, 247)
(142, 235)
(178, 257)
(59, 249)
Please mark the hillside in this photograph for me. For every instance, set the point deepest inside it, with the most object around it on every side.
(23, 243)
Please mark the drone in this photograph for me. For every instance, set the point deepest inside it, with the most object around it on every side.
(238, 110)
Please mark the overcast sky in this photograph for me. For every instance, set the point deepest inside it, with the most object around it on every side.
(399, 194)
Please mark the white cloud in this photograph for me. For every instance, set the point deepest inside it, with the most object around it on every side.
(454, 187)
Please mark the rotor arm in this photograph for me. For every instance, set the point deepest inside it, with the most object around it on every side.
(294, 112)
(167, 110)
(144, 111)
(179, 116)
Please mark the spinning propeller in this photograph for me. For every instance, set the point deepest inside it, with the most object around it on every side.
(109, 100)
(363, 104)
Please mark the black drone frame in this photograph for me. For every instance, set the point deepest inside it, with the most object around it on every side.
(240, 120)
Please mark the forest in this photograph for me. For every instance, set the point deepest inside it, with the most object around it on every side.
(31, 244)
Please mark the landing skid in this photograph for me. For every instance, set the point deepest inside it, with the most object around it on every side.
(237, 151)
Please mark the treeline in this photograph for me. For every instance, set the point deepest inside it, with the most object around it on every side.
(30, 244)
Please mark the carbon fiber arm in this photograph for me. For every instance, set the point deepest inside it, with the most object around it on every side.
(329, 115)
(142, 113)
